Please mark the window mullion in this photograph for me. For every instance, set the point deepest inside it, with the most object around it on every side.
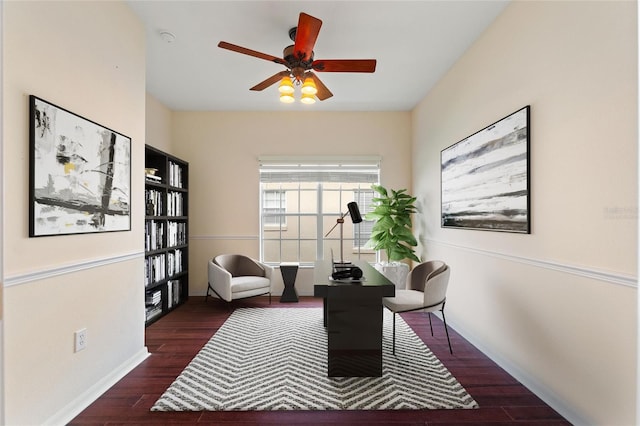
(319, 223)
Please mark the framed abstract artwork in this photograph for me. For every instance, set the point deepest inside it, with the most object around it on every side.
(485, 178)
(79, 174)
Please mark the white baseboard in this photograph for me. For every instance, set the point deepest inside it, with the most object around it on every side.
(543, 392)
(75, 407)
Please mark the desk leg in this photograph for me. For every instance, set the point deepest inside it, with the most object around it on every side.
(324, 311)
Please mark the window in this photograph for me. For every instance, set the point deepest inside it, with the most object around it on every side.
(273, 208)
(364, 198)
(301, 202)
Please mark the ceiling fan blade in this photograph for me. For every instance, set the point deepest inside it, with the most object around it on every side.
(323, 92)
(344, 65)
(244, 50)
(269, 81)
(306, 35)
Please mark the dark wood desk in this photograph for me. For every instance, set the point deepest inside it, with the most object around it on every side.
(353, 317)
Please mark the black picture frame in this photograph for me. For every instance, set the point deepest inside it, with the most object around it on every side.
(484, 177)
(79, 174)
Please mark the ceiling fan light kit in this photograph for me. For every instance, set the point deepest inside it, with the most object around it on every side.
(300, 64)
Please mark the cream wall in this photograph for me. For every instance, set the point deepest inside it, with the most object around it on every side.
(70, 54)
(158, 124)
(222, 149)
(557, 308)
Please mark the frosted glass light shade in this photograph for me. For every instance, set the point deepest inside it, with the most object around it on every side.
(308, 99)
(286, 86)
(309, 87)
(286, 98)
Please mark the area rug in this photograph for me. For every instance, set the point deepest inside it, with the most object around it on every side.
(276, 359)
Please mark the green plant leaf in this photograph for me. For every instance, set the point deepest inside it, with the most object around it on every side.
(392, 230)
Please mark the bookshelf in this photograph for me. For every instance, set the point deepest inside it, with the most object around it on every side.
(166, 278)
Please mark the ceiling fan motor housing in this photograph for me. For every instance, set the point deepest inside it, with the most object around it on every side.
(293, 61)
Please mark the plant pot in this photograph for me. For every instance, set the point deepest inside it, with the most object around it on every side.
(396, 272)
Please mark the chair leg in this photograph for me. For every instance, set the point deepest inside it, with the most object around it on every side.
(394, 333)
(446, 331)
(430, 326)
(269, 298)
(206, 297)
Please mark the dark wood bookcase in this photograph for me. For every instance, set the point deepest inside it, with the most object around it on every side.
(166, 245)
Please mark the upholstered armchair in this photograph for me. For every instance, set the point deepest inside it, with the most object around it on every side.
(234, 276)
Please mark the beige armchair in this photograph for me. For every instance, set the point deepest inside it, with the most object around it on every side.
(426, 290)
(234, 276)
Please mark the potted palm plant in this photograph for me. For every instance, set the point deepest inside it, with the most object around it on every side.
(392, 231)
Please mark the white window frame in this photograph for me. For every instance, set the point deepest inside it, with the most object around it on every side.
(277, 206)
(325, 170)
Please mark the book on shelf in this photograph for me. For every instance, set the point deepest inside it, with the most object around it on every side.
(153, 235)
(153, 312)
(173, 292)
(153, 178)
(155, 267)
(154, 202)
(175, 204)
(174, 262)
(175, 175)
(176, 234)
(153, 299)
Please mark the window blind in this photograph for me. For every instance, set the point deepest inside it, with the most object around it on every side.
(345, 170)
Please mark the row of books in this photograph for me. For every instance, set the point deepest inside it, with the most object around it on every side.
(152, 178)
(175, 204)
(153, 311)
(177, 234)
(155, 267)
(175, 175)
(153, 235)
(153, 298)
(153, 202)
(174, 292)
(163, 265)
(174, 262)
(153, 304)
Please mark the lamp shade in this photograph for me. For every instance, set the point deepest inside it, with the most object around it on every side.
(286, 98)
(308, 99)
(309, 87)
(286, 86)
(354, 212)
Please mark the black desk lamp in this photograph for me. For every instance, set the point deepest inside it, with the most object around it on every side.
(354, 212)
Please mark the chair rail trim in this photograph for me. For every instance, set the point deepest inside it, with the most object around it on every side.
(42, 274)
(582, 271)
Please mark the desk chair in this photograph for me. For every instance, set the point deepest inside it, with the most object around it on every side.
(426, 290)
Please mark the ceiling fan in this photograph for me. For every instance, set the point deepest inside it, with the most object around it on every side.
(299, 60)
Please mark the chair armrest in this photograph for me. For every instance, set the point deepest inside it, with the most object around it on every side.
(220, 281)
(268, 270)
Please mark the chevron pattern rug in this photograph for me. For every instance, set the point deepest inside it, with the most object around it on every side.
(276, 359)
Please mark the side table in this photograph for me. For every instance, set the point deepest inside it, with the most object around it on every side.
(289, 272)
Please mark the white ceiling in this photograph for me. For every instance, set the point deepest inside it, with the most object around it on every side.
(414, 43)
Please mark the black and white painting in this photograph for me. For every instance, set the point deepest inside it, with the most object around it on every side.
(485, 178)
(80, 174)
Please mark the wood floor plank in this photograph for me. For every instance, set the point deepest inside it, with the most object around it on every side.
(176, 338)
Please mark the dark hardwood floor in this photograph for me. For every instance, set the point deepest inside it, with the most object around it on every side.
(175, 339)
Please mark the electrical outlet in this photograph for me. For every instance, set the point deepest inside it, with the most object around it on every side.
(81, 339)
